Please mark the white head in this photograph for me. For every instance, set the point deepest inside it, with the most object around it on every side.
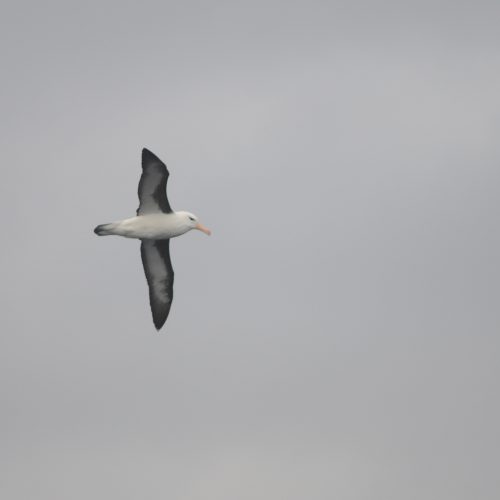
(189, 221)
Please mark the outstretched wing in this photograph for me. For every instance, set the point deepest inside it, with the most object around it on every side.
(155, 256)
(153, 185)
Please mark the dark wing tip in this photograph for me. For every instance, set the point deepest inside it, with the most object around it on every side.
(148, 158)
(159, 318)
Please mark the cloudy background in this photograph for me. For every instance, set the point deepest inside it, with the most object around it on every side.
(338, 335)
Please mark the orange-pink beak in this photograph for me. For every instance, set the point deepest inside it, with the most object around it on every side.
(203, 229)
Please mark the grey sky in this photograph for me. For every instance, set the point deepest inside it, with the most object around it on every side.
(337, 336)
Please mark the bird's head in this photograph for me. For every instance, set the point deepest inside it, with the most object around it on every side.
(192, 222)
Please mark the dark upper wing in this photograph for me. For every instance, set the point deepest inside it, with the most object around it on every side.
(160, 276)
(153, 185)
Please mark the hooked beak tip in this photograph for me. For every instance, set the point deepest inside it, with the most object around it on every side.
(203, 229)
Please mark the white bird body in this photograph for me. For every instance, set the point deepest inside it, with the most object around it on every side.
(156, 226)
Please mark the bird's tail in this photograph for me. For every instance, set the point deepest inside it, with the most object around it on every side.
(104, 229)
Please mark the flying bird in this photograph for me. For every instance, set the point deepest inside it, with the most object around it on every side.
(155, 224)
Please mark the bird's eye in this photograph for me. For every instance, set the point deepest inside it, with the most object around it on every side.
(190, 218)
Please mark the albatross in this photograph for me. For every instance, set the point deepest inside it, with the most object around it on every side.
(155, 224)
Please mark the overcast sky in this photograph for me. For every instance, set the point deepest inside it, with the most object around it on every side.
(338, 335)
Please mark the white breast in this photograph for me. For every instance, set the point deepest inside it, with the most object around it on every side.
(151, 226)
